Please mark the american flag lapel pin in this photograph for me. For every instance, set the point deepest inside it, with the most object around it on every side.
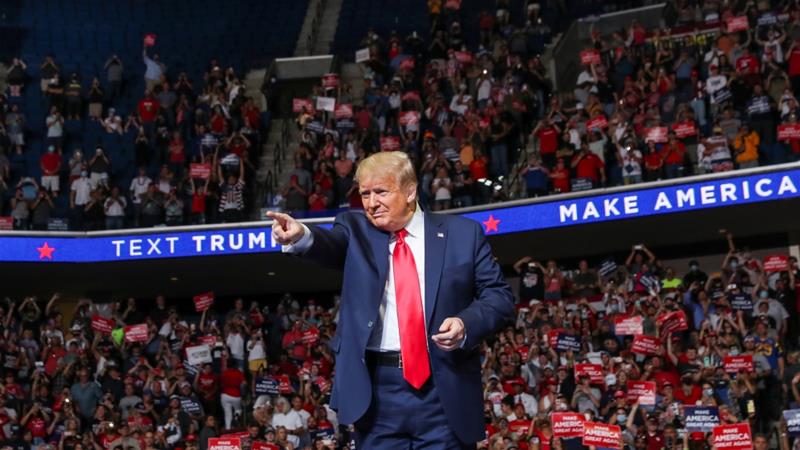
(440, 235)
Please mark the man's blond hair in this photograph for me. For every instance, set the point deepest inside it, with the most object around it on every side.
(383, 164)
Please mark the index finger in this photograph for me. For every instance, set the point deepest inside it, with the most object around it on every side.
(281, 218)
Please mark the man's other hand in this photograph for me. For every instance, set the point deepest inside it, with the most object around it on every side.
(451, 334)
(285, 228)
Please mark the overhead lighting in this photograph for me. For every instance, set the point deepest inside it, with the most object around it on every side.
(173, 279)
(272, 274)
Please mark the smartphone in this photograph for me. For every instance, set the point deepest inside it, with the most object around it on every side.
(638, 247)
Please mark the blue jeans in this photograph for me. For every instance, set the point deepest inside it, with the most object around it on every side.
(499, 162)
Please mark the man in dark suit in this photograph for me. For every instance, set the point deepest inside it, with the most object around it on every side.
(420, 292)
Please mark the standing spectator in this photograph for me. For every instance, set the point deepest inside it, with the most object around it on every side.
(173, 209)
(295, 196)
(16, 76)
(20, 211)
(74, 96)
(114, 73)
(232, 383)
(139, 186)
(154, 69)
(95, 99)
(80, 194)
(289, 419)
(48, 70)
(114, 208)
(587, 165)
(99, 167)
(199, 198)
(231, 201)
(55, 128)
(94, 216)
(151, 206)
(41, 210)
(536, 177)
(50, 163)
(746, 147)
(442, 190)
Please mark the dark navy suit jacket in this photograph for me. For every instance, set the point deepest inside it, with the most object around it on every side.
(461, 280)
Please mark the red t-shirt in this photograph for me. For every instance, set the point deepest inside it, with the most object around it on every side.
(691, 398)
(176, 152)
(148, 108)
(50, 163)
(794, 62)
(548, 140)
(478, 169)
(37, 427)
(747, 64)
(673, 155)
(218, 124)
(588, 167)
(207, 382)
(560, 179)
(199, 202)
(652, 160)
(231, 381)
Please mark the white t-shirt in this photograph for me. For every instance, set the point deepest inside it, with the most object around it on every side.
(54, 127)
(139, 187)
(441, 188)
(235, 344)
(255, 350)
(82, 187)
(715, 83)
(484, 89)
(628, 160)
(304, 415)
(114, 209)
(291, 421)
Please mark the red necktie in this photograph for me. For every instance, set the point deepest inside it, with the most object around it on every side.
(413, 339)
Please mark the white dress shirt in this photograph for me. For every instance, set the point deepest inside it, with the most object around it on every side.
(385, 336)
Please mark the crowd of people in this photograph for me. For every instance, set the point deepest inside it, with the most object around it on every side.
(695, 97)
(155, 374)
(183, 154)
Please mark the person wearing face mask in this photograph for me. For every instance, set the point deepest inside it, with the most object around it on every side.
(80, 195)
(695, 274)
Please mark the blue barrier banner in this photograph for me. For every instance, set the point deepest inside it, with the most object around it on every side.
(632, 204)
(629, 204)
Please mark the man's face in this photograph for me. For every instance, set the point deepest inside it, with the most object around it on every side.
(760, 443)
(388, 205)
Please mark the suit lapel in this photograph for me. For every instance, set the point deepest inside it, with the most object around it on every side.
(379, 243)
(435, 240)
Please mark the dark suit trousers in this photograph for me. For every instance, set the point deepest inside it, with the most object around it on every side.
(402, 418)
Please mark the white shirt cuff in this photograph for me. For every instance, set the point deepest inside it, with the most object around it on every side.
(302, 245)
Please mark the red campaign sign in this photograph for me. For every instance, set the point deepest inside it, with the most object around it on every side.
(643, 391)
(299, 103)
(672, 321)
(228, 443)
(590, 57)
(330, 80)
(259, 445)
(646, 345)
(343, 111)
(602, 435)
(203, 301)
(776, 263)
(102, 325)
(735, 436)
(788, 131)
(593, 371)
(322, 383)
(149, 39)
(390, 143)
(464, 57)
(311, 335)
(407, 64)
(6, 223)
(598, 123)
(628, 326)
(409, 118)
(136, 333)
(567, 424)
(737, 24)
(684, 129)
(284, 386)
(202, 171)
(655, 134)
(740, 363)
